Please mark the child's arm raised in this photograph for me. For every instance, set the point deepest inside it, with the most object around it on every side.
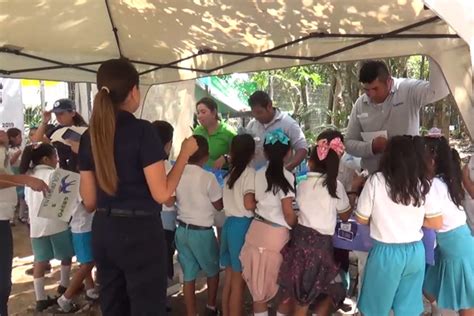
(288, 212)
(161, 185)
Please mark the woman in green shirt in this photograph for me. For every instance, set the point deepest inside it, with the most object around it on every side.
(218, 134)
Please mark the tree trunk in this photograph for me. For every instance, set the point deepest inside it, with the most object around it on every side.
(331, 99)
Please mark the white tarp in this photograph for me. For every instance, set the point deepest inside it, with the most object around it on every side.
(11, 105)
(169, 33)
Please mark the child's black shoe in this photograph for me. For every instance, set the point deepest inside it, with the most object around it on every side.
(45, 304)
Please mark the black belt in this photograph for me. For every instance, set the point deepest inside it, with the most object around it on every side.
(116, 212)
(191, 226)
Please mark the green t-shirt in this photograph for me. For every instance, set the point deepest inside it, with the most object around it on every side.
(219, 141)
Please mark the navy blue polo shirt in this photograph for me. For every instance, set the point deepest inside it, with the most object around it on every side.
(137, 146)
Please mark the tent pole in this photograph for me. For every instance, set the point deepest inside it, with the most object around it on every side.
(335, 52)
(114, 29)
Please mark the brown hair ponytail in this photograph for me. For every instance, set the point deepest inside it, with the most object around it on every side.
(115, 79)
(102, 131)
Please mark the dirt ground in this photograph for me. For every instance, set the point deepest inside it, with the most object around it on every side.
(22, 298)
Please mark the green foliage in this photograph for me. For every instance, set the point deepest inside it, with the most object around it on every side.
(33, 116)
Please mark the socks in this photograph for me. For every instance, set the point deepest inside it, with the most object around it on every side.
(65, 304)
(65, 272)
(39, 289)
(261, 314)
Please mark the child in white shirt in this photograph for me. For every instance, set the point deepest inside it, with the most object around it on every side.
(270, 230)
(50, 239)
(309, 273)
(81, 229)
(392, 201)
(198, 195)
(239, 205)
(450, 282)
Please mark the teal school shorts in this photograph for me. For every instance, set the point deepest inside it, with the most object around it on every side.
(393, 279)
(197, 250)
(58, 246)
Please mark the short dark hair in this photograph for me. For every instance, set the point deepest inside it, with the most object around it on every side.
(13, 132)
(259, 98)
(210, 103)
(203, 149)
(373, 69)
(165, 131)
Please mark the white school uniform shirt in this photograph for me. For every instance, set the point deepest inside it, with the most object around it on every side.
(439, 200)
(81, 221)
(318, 209)
(8, 196)
(41, 227)
(269, 204)
(12, 151)
(234, 198)
(390, 222)
(196, 192)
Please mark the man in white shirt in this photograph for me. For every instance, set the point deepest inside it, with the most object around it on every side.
(267, 119)
(389, 107)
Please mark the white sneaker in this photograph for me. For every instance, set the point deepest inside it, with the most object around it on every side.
(66, 305)
(92, 294)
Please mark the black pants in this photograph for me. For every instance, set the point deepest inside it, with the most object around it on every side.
(130, 254)
(6, 261)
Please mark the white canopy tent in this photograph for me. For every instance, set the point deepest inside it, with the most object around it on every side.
(171, 40)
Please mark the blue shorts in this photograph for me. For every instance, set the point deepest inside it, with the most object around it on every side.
(197, 250)
(393, 279)
(57, 246)
(82, 243)
(232, 241)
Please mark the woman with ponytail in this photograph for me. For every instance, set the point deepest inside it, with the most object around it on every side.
(270, 229)
(123, 178)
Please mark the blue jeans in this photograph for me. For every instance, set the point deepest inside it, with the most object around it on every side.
(6, 260)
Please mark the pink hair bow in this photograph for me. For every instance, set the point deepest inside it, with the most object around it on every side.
(324, 146)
